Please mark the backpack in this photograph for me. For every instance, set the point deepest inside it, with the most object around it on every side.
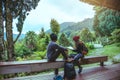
(69, 70)
(84, 48)
(58, 77)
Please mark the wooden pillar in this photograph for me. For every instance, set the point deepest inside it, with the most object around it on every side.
(56, 71)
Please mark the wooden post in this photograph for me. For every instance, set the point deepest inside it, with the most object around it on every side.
(101, 63)
(56, 71)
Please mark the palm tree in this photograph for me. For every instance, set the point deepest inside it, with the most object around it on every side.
(30, 40)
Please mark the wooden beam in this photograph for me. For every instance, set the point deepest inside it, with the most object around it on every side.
(41, 65)
(111, 4)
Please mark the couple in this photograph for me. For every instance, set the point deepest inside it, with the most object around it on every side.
(54, 50)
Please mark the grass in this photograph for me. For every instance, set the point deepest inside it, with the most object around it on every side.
(111, 50)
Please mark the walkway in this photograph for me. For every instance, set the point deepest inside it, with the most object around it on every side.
(110, 72)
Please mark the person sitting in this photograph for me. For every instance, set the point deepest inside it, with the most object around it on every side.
(81, 50)
(54, 50)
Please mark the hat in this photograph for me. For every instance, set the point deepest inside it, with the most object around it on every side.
(76, 38)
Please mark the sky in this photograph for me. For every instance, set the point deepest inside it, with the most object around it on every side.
(60, 10)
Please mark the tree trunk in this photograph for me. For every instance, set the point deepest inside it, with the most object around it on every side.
(9, 32)
(1, 33)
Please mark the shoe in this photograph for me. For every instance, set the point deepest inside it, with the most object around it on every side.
(80, 70)
(58, 77)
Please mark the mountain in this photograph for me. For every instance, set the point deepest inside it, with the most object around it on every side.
(87, 23)
(22, 36)
(65, 25)
(72, 26)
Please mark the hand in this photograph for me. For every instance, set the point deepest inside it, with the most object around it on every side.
(84, 52)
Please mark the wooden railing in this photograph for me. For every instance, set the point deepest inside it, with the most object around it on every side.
(42, 65)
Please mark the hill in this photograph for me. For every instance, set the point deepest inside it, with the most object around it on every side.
(87, 23)
(22, 36)
(72, 26)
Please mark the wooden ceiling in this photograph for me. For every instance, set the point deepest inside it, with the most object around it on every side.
(112, 4)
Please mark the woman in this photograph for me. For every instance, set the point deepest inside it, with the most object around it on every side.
(80, 49)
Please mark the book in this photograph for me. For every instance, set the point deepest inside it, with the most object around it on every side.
(71, 48)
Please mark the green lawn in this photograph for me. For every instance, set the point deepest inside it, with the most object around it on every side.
(111, 50)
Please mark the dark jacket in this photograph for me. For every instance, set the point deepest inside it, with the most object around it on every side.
(53, 48)
(80, 47)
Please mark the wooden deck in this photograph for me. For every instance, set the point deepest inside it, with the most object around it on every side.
(110, 72)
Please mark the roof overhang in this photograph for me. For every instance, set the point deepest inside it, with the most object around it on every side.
(112, 4)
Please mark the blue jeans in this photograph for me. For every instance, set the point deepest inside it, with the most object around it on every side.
(76, 56)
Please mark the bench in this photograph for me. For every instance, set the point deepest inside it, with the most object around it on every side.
(42, 65)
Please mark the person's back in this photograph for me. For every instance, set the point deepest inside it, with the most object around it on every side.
(51, 49)
(54, 50)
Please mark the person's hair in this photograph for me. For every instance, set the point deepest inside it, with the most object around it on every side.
(53, 37)
(76, 38)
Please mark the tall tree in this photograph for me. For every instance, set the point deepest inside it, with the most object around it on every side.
(15, 9)
(9, 32)
(106, 21)
(55, 27)
(1, 32)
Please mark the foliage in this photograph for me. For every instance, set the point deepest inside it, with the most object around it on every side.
(47, 39)
(55, 27)
(42, 33)
(116, 59)
(103, 40)
(111, 50)
(63, 40)
(30, 40)
(105, 21)
(40, 54)
(10, 10)
(90, 46)
(86, 35)
(21, 50)
(41, 44)
(115, 36)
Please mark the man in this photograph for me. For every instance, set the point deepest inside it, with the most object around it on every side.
(54, 50)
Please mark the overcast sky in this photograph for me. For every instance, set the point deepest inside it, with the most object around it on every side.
(60, 10)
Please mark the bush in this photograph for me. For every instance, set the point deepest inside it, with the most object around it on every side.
(21, 50)
(90, 46)
(116, 59)
(115, 36)
(39, 54)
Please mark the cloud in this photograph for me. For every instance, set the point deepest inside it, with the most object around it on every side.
(61, 10)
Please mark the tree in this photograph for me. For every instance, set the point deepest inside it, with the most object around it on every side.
(47, 39)
(55, 27)
(14, 9)
(116, 35)
(42, 33)
(30, 40)
(9, 32)
(1, 33)
(63, 40)
(106, 21)
(86, 35)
